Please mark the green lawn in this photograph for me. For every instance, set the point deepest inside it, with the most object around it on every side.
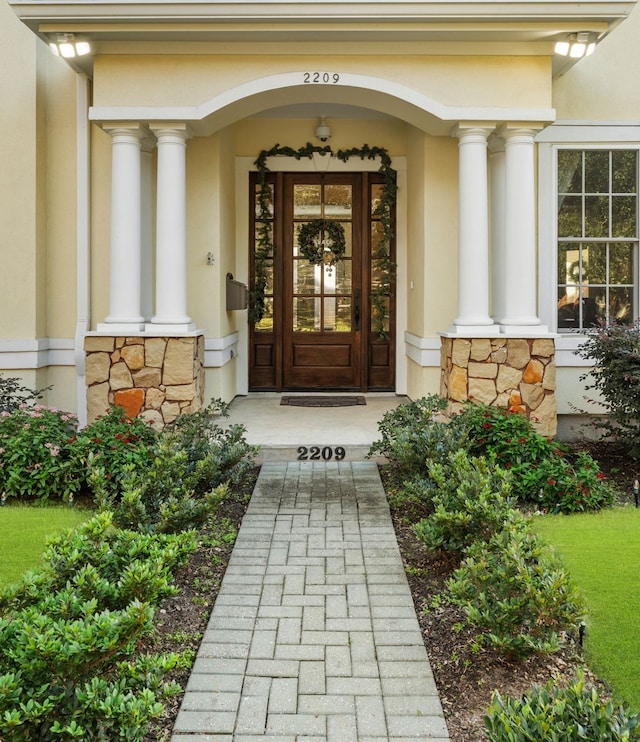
(602, 553)
(23, 531)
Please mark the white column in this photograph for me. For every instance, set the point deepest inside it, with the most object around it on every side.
(473, 233)
(520, 234)
(146, 227)
(124, 256)
(497, 242)
(171, 241)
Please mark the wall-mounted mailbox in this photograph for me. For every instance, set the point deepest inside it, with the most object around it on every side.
(237, 294)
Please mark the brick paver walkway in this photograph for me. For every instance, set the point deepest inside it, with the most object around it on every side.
(313, 636)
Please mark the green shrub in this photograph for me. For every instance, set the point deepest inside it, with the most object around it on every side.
(413, 434)
(214, 455)
(160, 498)
(13, 394)
(615, 352)
(516, 592)
(35, 454)
(542, 473)
(472, 501)
(102, 563)
(183, 478)
(113, 443)
(572, 714)
(68, 630)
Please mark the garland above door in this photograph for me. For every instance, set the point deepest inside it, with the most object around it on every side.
(319, 240)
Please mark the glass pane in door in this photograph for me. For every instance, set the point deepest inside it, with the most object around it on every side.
(322, 292)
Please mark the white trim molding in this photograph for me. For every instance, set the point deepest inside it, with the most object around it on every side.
(23, 353)
(220, 351)
(386, 95)
(423, 351)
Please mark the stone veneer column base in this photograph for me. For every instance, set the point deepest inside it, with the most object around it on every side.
(518, 374)
(154, 378)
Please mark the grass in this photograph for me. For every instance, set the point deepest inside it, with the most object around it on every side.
(23, 532)
(602, 553)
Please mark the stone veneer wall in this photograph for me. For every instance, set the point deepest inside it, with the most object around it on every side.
(515, 373)
(155, 378)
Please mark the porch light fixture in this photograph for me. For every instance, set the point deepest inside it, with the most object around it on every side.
(323, 130)
(66, 45)
(577, 45)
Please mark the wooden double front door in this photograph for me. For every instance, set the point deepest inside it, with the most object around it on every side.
(317, 330)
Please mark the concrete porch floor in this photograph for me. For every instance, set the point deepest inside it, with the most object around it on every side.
(281, 430)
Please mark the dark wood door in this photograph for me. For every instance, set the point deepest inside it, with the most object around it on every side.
(321, 310)
(316, 332)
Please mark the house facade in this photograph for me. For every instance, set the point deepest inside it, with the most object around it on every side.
(419, 197)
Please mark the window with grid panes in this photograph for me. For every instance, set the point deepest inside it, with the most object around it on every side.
(597, 231)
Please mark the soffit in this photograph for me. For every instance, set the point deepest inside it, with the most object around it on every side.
(520, 26)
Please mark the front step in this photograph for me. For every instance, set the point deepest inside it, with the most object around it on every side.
(325, 454)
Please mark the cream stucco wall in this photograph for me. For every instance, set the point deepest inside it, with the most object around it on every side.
(37, 204)
(59, 197)
(37, 185)
(422, 381)
(603, 87)
(188, 80)
(20, 152)
(432, 233)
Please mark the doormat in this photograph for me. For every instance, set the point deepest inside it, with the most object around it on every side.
(322, 401)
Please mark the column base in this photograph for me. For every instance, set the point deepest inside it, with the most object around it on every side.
(120, 328)
(524, 330)
(170, 327)
(488, 330)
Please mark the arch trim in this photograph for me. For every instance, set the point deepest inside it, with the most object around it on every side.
(234, 104)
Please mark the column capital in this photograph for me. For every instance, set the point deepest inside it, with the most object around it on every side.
(125, 128)
(473, 131)
(525, 132)
(180, 131)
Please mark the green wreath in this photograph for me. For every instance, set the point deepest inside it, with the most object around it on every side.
(322, 242)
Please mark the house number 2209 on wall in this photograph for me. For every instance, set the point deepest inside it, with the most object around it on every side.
(321, 77)
(316, 453)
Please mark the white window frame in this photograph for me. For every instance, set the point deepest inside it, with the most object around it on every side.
(562, 136)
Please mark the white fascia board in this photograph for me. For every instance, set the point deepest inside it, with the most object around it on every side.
(581, 132)
(110, 11)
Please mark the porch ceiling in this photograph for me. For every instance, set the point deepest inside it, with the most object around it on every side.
(522, 26)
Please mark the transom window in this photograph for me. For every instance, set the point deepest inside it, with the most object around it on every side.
(597, 237)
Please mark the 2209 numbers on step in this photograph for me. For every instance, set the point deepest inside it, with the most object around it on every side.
(324, 453)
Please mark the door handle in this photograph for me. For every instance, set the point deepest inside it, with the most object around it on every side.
(356, 309)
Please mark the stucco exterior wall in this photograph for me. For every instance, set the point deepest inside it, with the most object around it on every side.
(18, 186)
(603, 87)
(422, 381)
(432, 233)
(187, 80)
(58, 248)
